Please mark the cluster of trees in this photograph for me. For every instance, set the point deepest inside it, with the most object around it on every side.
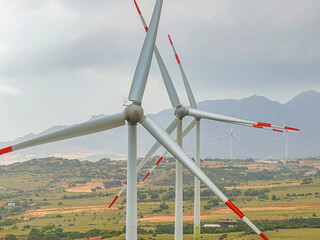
(113, 183)
(264, 225)
(51, 232)
(307, 180)
(211, 204)
(87, 195)
(162, 206)
(12, 211)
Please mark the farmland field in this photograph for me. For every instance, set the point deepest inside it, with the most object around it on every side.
(62, 196)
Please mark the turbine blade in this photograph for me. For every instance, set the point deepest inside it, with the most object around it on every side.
(89, 127)
(155, 166)
(238, 137)
(261, 127)
(170, 127)
(189, 127)
(277, 126)
(218, 139)
(113, 201)
(118, 195)
(175, 101)
(143, 66)
(190, 95)
(173, 147)
(184, 133)
(217, 117)
(233, 120)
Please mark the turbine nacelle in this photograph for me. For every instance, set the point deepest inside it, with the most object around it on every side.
(134, 113)
(180, 112)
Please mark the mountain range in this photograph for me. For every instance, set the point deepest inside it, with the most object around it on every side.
(303, 112)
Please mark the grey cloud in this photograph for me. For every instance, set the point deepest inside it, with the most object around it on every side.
(229, 49)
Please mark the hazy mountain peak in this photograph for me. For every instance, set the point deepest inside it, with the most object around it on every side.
(306, 97)
(256, 98)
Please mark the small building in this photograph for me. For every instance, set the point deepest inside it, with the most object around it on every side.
(212, 225)
(11, 204)
(227, 222)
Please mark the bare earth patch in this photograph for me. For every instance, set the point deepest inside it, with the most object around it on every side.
(189, 217)
(85, 187)
(46, 211)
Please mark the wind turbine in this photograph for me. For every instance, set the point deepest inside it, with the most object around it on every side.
(180, 113)
(286, 138)
(231, 135)
(261, 125)
(134, 114)
(170, 128)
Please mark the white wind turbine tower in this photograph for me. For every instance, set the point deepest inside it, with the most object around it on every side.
(134, 114)
(286, 139)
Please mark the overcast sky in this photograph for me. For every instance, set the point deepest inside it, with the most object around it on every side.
(63, 61)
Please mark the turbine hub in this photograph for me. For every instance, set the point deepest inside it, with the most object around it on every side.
(133, 113)
(180, 112)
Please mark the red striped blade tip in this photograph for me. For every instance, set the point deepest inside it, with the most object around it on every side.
(276, 130)
(138, 9)
(160, 159)
(263, 236)
(178, 60)
(257, 126)
(291, 128)
(146, 176)
(5, 150)
(170, 39)
(234, 208)
(264, 124)
(114, 200)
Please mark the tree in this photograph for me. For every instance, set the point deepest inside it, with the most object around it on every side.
(154, 196)
(35, 234)
(163, 206)
(223, 236)
(251, 192)
(234, 192)
(142, 196)
(263, 196)
(307, 180)
(206, 193)
(10, 237)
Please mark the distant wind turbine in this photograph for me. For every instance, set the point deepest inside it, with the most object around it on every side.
(231, 135)
(286, 137)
